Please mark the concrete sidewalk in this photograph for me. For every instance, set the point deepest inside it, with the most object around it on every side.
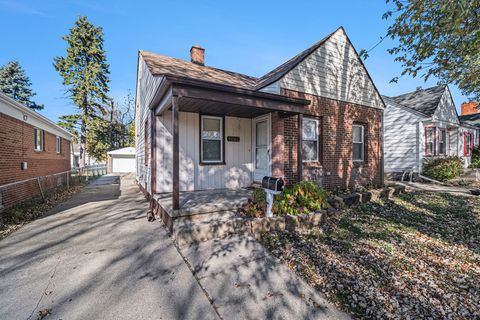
(432, 187)
(96, 257)
(245, 282)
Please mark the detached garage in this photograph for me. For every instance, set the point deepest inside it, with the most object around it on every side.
(121, 160)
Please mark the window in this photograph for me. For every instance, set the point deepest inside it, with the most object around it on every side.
(430, 141)
(468, 144)
(442, 141)
(310, 140)
(358, 142)
(58, 145)
(211, 139)
(39, 137)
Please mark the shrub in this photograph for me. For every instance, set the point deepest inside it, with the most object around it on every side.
(256, 204)
(476, 157)
(305, 196)
(443, 169)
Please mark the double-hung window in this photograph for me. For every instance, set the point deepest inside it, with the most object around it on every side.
(310, 140)
(430, 141)
(39, 139)
(58, 144)
(211, 139)
(442, 141)
(468, 144)
(358, 142)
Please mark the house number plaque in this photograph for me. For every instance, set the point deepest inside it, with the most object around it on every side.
(233, 139)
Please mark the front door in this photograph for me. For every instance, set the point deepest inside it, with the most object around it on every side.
(261, 147)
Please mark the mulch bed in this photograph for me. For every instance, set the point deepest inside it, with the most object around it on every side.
(412, 257)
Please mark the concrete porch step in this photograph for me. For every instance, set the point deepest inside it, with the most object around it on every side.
(207, 227)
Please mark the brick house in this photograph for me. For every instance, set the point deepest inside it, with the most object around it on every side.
(30, 145)
(203, 128)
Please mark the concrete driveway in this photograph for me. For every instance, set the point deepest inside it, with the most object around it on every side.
(96, 257)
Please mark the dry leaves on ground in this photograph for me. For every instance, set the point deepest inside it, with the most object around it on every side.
(413, 257)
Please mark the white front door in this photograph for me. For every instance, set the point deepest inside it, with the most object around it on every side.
(261, 147)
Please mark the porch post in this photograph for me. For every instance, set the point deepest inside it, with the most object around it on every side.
(175, 156)
(299, 146)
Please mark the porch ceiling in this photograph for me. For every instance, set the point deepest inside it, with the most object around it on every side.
(204, 97)
(220, 108)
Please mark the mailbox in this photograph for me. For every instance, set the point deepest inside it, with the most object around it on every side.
(271, 183)
(272, 186)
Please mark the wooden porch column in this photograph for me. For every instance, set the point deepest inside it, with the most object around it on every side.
(175, 156)
(299, 146)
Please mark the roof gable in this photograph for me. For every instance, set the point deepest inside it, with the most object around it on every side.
(330, 68)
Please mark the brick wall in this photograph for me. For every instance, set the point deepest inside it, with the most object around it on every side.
(469, 108)
(336, 168)
(17, 145)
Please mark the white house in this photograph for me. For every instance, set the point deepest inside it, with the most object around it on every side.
(424, 124)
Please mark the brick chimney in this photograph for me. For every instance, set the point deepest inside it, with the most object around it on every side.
(197, 55)
(469, 107)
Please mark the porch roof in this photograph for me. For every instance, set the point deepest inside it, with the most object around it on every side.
(201, 96)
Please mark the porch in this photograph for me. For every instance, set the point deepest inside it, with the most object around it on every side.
(179, 112)
(192, 203)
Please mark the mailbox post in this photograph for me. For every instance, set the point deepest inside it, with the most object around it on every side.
(271, 186)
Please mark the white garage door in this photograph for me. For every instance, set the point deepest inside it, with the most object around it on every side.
(123, 164)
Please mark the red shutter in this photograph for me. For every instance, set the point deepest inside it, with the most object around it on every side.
(471, 143)
(435, 141)
(465, 141)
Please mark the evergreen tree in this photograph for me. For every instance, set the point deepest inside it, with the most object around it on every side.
(85, 73)
(15, 83)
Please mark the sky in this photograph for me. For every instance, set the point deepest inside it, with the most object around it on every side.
(250, 37)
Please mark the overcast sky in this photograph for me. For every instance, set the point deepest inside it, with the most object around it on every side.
(250, 37)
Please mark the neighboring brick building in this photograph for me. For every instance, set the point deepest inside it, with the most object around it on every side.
(199, 127)
(30, 144)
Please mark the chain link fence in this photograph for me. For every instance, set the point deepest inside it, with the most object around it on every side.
(36, 188)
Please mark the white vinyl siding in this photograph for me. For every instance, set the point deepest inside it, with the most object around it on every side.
(403, 139)
(235, 173)
(272, 88)
(147, 85)
(334, 71)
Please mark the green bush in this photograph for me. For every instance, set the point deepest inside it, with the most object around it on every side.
(476, 157)
(303, 197)
(256, 204)
(443, 169)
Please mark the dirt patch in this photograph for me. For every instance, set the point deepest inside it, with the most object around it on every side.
(14, 218)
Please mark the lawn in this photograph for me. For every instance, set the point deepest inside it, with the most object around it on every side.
(416, 256)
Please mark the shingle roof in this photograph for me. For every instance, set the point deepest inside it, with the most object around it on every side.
(470, 119)
(162, 65)
(423, 100)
